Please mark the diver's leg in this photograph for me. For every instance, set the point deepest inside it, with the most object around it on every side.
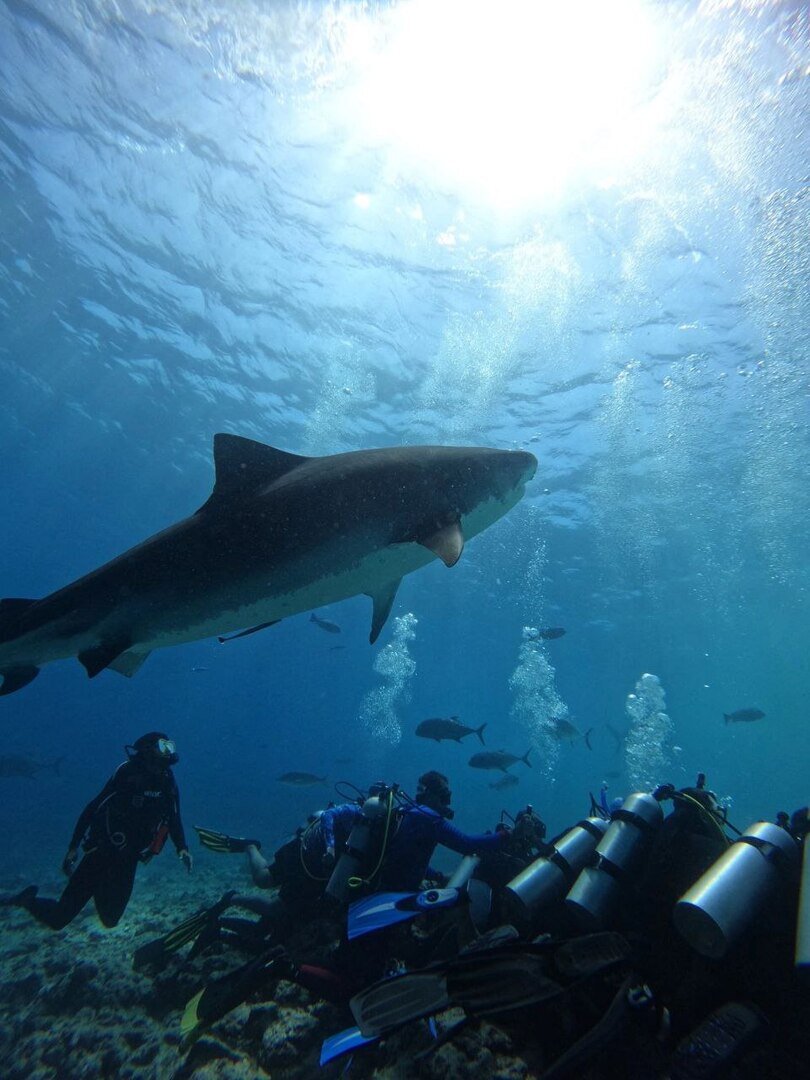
(257, 904)
(260, 869)
(58, 913)
(114, 888)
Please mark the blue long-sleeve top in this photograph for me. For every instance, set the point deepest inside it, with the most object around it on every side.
(416, 835)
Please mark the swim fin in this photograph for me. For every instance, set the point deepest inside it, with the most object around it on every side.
(342, 1043)
(217, 998)
(386, 909)
(156, 954)
(482, 983)
(221, 842)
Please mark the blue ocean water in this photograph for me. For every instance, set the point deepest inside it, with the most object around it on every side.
(340, 226)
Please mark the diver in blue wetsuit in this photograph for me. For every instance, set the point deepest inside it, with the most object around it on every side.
(420, 828)
(381, 843)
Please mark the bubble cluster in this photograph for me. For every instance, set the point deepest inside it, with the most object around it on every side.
(536, 702)
(647, 744)
(378, 710)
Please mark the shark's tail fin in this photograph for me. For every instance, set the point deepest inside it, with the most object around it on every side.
(525, 758)
(479, 731)
(15, 678)
(588, 738)
(12, 608)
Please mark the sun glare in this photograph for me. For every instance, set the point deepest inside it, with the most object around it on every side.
(510, 99)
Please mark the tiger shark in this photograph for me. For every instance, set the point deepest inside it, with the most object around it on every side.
(280, 534)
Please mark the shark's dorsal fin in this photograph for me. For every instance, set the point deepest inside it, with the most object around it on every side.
(242, 465)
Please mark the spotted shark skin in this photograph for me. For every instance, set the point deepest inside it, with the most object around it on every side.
(280, 534)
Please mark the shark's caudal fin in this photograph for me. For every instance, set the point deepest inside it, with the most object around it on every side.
(479, 731)
(243, 465)
(12, 608)
(15, 678)
(11, 611)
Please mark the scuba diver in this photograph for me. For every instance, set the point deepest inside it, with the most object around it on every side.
(383, 841)
(126, 823)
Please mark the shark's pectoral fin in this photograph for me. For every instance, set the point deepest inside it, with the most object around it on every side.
(244, 633)
(15, 678)
(102, 656)
(383, 600)
(447, 543)
(128, 663)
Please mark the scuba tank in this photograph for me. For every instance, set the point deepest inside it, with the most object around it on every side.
(546, 879)
(598, 888)
(802, 956)
(463, 872)
(715, 911)
(351, 868)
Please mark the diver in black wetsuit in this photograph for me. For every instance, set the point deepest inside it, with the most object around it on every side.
(127, 823)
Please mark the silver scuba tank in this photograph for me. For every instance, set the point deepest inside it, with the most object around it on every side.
(547, 879)
(598, 889)
(463, 872)
(360, 847)
(713, 914)
(802, 955)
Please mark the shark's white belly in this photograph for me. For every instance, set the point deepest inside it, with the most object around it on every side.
(369, 574)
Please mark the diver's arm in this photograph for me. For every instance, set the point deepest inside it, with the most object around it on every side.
(260, 869)
(469, 843)
(86, 816)
(176, 830)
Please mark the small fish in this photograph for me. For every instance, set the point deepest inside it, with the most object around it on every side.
(200, 669)
(300, 779)
(497, 759)
(617, 736)
(20, 765)
(548, 633)
(612, 774)
(329, 627)
(343, 760)
(743, 714)
(439, 728)
(336, 648)
(565, 731)
(506, 781)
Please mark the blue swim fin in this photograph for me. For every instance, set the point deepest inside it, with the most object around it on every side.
(343, 1043)
(386, 909)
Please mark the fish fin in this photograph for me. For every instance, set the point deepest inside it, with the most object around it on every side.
(383, 601)
(447, 543)
(128, 663)
(588, 738)
(244, 633)
(479, 731)
(525, 758)
(102, 655)
(726, 717)
(243, 465)
(15, 678)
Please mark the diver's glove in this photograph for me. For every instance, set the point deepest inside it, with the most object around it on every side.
(69, 862)
(185, 858)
